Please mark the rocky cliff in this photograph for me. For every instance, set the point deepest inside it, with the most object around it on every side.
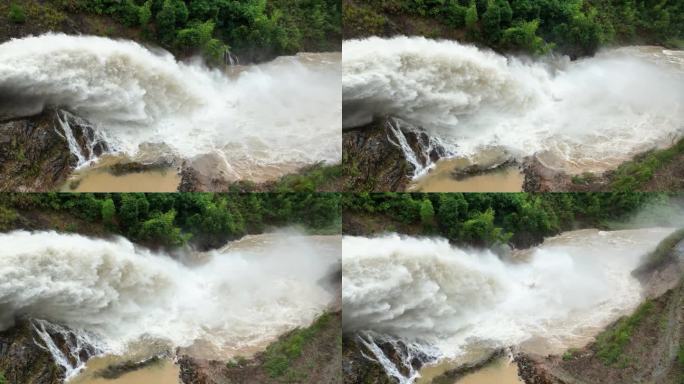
(35, 154)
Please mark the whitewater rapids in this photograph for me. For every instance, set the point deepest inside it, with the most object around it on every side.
(283, 114)
(585, 115)
(115, 294)
(453, 301)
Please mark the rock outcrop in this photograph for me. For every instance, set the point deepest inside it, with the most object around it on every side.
(373, 162)
(35, 154)
(24, 359)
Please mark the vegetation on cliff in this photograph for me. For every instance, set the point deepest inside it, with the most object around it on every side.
(255, 29)
(574, 27)
(487, 219)
(174, 219)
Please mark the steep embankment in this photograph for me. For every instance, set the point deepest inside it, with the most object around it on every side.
(646, 346)
(307, 355)
(652, 171)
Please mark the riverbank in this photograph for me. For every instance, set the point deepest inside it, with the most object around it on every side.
(645, 346)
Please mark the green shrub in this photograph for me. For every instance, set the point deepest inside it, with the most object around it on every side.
(17, 14)
(280, 355)
(611, 344)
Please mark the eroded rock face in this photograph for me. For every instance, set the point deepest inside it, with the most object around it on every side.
(372, 162)
(35, 154)
(23, 361)
(357, 368)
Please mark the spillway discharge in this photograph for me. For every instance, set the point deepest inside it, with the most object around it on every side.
(284, 112)
(107, 294)
(585, 115)
(425, 299)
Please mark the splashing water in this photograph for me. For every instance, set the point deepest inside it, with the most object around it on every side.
(426, 292)
(285, 113)
(587, 115)
(116, 294)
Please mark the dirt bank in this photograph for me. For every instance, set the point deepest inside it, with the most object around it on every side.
(318, 361)
(645, 347)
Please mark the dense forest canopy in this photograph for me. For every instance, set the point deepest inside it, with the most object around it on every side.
(256, 28)
(172, 219)
(574, 27)
(487, 219)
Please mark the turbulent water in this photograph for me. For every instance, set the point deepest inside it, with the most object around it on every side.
(586, 115)
(282, 114)
(114, 294)
(449, 302)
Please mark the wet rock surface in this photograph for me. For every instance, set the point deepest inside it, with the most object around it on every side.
(34, 152)
(540, 178)
(478, 169)
(357, 368)
(373, 162)
(24, 361)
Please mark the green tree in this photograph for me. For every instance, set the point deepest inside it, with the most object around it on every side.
(161, 229)
(523, 37)
(506, 12)
(491, 22)
(480, 229)
(166, 23)
(453, 209)
(427, 213)
(108, 212)
(471, 17)
(145, 13)
(17, 14)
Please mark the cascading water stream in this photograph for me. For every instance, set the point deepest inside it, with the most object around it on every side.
(448, 302)
(77, 347)
(111, 295)
(277, 116)
(587, 115)
(83, 158)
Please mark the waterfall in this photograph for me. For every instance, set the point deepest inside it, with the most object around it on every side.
(274, 117)
(424, 298)
(585, 115)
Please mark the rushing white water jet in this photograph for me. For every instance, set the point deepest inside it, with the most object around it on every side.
(424, 291)
(229, 301)
(587, 115)
(285, 113)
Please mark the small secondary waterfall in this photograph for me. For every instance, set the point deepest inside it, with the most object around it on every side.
(76, 347)
(90, 137)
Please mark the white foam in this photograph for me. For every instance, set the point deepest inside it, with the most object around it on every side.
(587, 115)
(281, 113)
